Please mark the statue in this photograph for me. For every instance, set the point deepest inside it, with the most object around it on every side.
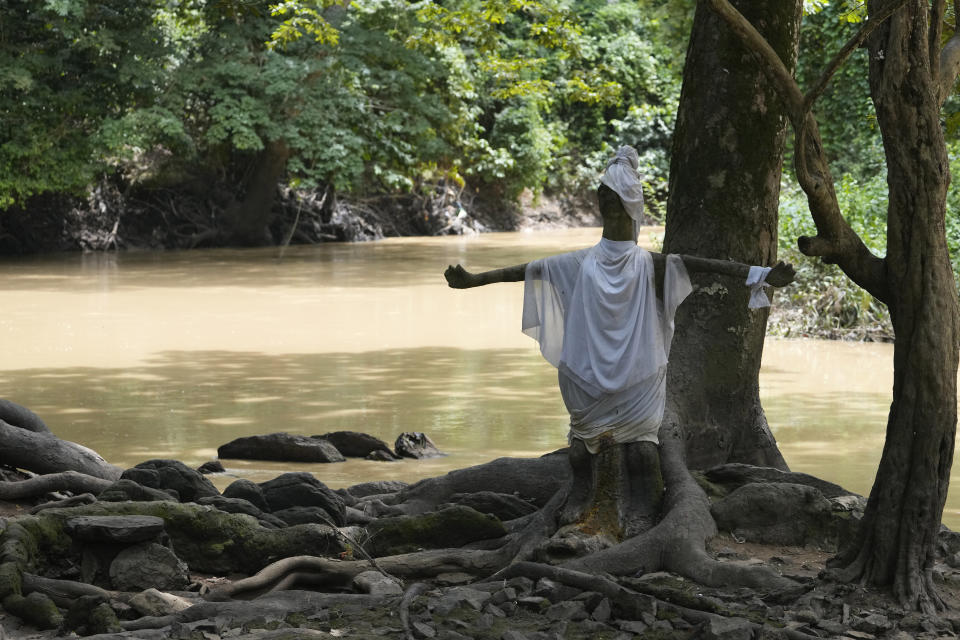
(603, 316)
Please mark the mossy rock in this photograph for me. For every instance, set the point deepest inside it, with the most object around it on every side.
(447, 528)
(213, 541)
(36, 609)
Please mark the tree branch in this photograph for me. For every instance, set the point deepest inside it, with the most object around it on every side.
(777, 72)
(938, 10)
(949, 66)
(852, 45)
(836, 242)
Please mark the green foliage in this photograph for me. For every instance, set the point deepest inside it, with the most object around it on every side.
(67, 68)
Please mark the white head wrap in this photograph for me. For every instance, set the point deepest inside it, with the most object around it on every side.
(621, 175)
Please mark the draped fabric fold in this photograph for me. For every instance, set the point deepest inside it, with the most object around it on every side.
(598, 319)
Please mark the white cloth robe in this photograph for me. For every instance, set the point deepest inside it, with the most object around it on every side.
(597, 318)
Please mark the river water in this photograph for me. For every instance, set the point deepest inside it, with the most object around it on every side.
(147, 355)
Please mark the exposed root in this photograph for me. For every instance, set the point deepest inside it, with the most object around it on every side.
(678, 542)
(72, 481)
(412, 592)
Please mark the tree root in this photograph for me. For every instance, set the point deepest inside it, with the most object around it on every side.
(72, 481)
(412, 592)
(678, 542)
(65, 592)
(45, 453)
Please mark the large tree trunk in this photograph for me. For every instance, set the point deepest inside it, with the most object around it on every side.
(724, 194)
(248, 220)
(899, 530)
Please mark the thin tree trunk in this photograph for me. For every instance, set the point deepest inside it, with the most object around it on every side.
(898, 535)
(724, 194)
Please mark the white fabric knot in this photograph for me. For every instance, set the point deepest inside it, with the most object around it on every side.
(757, 280)
(621, 176)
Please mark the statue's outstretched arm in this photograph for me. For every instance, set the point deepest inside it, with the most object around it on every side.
(780, 275)
(459, 278)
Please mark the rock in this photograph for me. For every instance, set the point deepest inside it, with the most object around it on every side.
(507, 594)
(124, 490)
(281, 446)
(451, 527)
(460, 596)
(777, 513)
(115, 529)
(632, 626)
(414, 444)
(249, 491)
(305, 515)
(602, 612)
(377, 584)
(211, 466)
(873, 623)
(573, 610)
(239, 505)
(357, 445)
(504, 506)
(375, 488)
(554, 591)
(423, 630)
(454, 578)
(152, 602)
(36, 608)
(735, 475)
(511, 634)
(382, 456)
(302, 489)
(718, 628)
(148, 565)
(87, 616)
(190, 485)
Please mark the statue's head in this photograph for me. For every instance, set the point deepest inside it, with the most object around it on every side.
(609, 203)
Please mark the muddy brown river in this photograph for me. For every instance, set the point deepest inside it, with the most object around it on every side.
(146, 355)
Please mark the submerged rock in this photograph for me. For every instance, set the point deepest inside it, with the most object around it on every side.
(357, 445)
(211, 466)
(414, 444)
(281, 446)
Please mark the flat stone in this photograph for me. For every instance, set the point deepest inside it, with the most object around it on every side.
(375, 583)
(512, 634)
(727, 629)
(423, 630)
(453, 579)
(157, 603)
(459, 596)
(573, 610)
(285, 447)
(121, 529)
(533, 603)
(632, 626)
(494, 610)
(873, 623)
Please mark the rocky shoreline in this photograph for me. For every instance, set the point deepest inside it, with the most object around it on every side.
(156, 551)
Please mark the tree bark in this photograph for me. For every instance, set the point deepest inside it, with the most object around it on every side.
(898, 534)
(724, 193)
